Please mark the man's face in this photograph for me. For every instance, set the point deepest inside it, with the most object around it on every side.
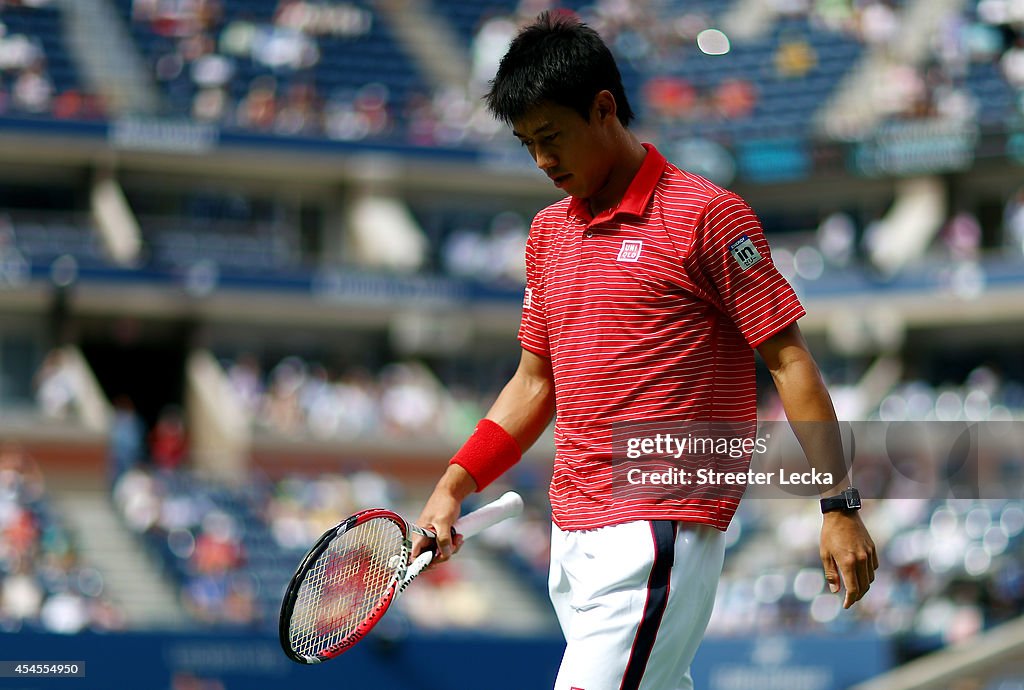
(572, 152)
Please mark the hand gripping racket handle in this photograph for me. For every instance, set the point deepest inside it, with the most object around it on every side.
(509, 505)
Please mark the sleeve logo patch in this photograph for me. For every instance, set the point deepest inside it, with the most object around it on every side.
(745, 253)
(630, 250)
(527, 298)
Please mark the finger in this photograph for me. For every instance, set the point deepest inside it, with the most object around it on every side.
(865, 576)
(444, 543)
(831, 573)
(854, 587)
(422, 543)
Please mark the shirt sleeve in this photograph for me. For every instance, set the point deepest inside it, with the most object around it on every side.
(533, 328)
(731, 253)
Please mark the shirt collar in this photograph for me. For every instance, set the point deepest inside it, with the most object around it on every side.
(638, 194)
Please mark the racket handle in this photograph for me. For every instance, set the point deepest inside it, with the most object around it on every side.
(508, 505)
(415, 568)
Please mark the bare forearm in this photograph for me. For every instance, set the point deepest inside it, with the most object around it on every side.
(847, 553)
(524, 408)
(809, 409)
(807, 404)
(804, 395)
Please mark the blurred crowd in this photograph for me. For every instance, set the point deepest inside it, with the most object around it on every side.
(956, 254)
(652, 38)
(406, 400)
(300, 397)
(984, 39)
(26, 85)
(983, 395)
(268, 74)
(196, 61)
(233, 549)
(199, 541)
(403, 399)
(204, 48)
(43, 583)
(233, 66)
(953, 567)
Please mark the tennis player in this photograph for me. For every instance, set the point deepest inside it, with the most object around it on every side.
(648, 289)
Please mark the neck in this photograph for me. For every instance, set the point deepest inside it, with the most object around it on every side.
(629, 157)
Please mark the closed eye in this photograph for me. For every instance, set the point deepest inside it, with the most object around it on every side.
(547, 139)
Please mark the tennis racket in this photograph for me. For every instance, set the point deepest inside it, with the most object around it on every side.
(355, 571)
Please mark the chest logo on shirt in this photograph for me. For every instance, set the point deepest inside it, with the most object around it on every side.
(630, 250)
(527, 298)
(745, 253)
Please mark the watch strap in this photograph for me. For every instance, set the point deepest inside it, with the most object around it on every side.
(848, 499)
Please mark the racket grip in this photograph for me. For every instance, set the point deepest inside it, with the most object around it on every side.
(415, 568)
(508, 505)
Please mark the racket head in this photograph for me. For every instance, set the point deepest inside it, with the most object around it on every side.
(344, 585)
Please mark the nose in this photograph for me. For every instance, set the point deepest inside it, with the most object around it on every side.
(545, 159)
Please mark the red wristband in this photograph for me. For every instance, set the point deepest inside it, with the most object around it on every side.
(488, 453)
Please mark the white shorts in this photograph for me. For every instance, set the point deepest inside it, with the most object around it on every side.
(633, 601)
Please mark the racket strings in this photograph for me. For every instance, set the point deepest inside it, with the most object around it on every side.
(344, 585)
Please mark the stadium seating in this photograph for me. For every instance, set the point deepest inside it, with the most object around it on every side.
(360, 78)
(277, 70)
(233, 549)
(298, 398)
(44, 237)
(953, 565)
(37, 61)
(313, 77)
(43, 584)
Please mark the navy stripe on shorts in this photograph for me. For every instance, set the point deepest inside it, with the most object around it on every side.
(664, 535)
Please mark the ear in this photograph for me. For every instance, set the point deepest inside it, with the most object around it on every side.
(604, 107)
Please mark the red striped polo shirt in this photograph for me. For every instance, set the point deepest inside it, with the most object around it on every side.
(647, 312)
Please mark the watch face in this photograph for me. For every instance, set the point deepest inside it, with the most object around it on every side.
(852, 499)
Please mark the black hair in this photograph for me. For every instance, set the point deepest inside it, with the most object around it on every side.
(556, 59)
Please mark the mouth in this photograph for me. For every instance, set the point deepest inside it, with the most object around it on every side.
(560, 180)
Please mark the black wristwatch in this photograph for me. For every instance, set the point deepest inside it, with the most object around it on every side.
(848, 499)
